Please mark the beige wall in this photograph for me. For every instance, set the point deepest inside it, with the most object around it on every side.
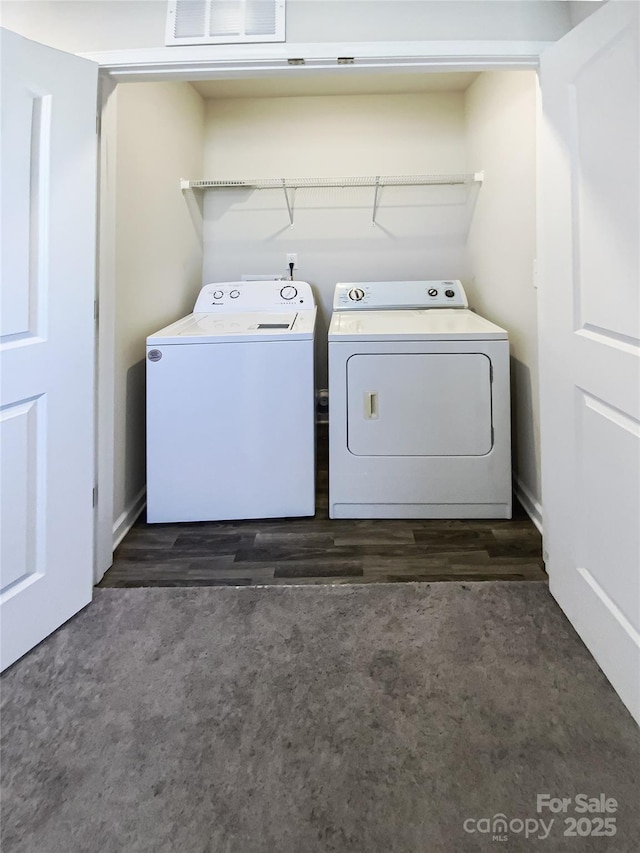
(158, 261)
(410, 20)
(501, 139)
(82, 26)
(421, 231)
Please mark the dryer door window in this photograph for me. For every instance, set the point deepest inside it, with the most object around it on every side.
(422, 404)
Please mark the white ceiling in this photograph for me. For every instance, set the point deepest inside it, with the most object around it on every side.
(342, 82)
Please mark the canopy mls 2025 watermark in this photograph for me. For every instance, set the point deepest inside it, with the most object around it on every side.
(578, 816)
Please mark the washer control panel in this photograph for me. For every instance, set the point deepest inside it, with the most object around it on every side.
(223, 297)
(358, 295)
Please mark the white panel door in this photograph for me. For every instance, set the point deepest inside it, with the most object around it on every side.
(46, 339)
(590, 336)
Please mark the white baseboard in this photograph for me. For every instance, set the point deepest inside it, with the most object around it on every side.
(531, 506)
(126, 520)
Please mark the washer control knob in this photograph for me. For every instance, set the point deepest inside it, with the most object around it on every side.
(450, 293)
(356, 294)
(218, 294)
(288, 292)
(432, 291)
(234, 294)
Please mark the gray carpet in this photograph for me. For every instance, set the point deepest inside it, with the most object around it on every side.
(358, 719)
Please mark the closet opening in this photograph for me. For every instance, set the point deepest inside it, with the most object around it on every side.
(166, 240)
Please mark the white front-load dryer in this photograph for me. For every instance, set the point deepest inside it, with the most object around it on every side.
(231, 406)
(419, 404)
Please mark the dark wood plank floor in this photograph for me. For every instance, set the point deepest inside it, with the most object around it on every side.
(319, 550)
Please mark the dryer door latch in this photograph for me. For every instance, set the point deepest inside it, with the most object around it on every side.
(371, 405)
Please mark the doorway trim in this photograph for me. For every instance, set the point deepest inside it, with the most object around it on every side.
(303, 59)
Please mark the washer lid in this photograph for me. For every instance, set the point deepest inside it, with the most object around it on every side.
(453, 324)
(230, 328)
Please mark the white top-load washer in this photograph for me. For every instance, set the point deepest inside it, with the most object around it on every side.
(419, 403)
(230, 406)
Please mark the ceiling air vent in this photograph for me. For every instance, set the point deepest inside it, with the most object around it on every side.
(224, 21)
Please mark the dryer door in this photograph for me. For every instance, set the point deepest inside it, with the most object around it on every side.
(419, 404)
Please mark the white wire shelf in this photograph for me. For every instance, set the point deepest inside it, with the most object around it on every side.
(301, 183)
(289, 185)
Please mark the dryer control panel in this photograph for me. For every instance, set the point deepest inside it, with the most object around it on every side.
(223, 297)
(361, 295)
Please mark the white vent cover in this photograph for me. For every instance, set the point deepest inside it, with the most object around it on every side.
(224, 21)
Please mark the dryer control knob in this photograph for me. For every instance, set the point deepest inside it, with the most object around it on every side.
(356, 294)
(218, 294)
(288, 292)
(432, 291)
(450, 293)
(234, 294)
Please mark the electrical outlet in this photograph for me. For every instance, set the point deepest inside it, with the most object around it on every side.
(292, 258)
